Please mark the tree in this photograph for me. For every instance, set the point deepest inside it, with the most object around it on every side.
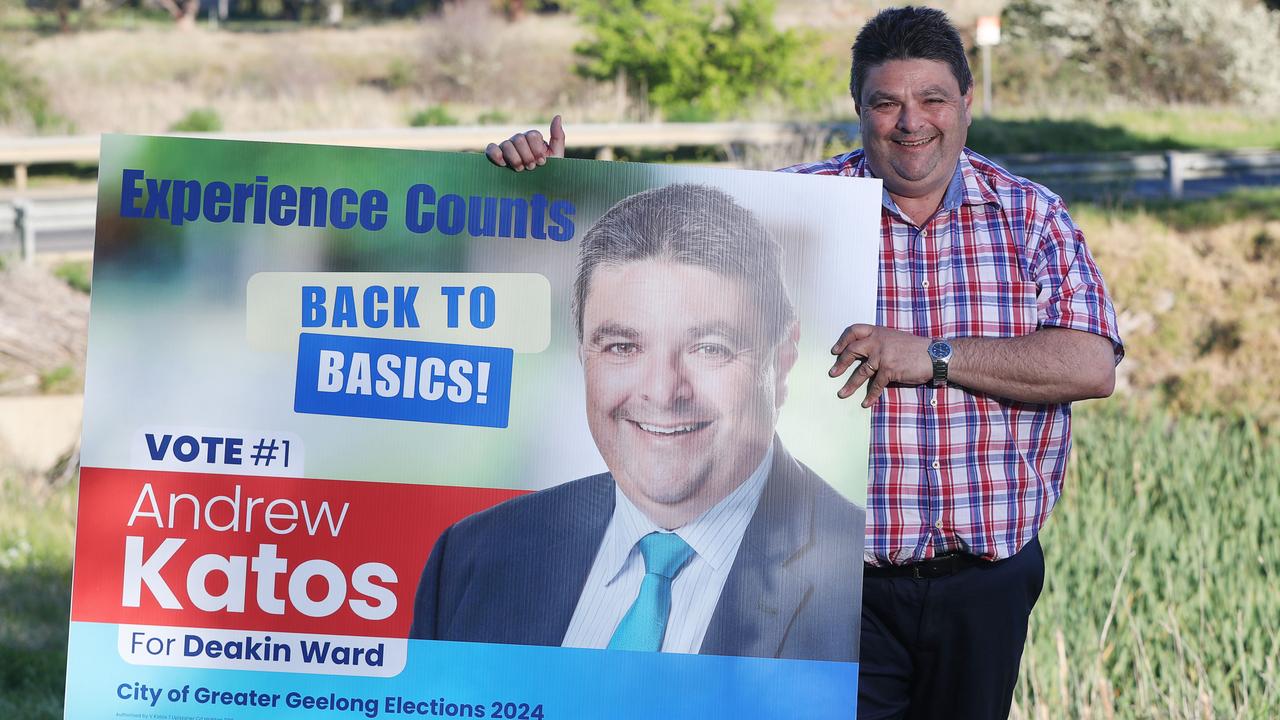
(1197, 51)
(695, 60)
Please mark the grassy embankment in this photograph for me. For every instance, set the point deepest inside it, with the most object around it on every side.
(36, 525)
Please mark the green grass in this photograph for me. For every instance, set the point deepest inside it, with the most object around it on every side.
(76, 273)
(61, 380)
(1160, 597)
(36, 524)
(198, 120)
(1137, 129)
(1260, 204)
(433, 116)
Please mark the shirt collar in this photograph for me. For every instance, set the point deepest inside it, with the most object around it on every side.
(967, 187)
(704, 533)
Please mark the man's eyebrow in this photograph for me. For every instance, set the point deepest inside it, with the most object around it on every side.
(614, 330)
(935, 90)
(879, 95)
(722, 329)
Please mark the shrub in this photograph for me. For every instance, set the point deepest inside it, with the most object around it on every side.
(434, 116)
(77, 274)
(198, 120)
(400, 75)
(701, 60)
(493, 117)
(1194, 51)
(59, 380)
(23, 101)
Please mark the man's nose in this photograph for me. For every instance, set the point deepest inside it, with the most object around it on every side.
(666, 380)
(910, 118)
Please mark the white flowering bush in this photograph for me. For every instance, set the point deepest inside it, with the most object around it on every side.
(1167, 50)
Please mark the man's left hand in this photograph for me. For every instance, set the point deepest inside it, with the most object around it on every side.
(887, 356)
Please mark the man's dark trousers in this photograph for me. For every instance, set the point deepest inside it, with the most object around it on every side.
(947, 646)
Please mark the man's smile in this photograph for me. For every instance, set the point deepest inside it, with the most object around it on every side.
(670, 430)
(916, 143)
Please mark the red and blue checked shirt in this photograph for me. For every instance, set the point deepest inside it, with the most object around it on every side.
(951, 469)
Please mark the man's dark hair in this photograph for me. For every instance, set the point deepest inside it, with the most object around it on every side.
(695, 225)
(907, 33)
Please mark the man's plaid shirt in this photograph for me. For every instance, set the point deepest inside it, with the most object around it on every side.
(951, 469)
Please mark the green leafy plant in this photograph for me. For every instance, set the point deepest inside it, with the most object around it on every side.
(400, 75)
(493, 117)
(76, 273)
(22, 98)
(199, 120)
(700, 60)
(59, 380)
(434, 116)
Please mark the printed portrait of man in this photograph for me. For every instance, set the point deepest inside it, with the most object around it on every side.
(705, 535)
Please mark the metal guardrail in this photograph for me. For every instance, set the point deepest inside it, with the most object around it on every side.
(1172, 168)
(28, 217)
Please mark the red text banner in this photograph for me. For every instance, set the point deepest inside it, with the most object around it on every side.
(254, 553)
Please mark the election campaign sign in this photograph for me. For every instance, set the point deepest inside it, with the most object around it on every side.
(375, 433)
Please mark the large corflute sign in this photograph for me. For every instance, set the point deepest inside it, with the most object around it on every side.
(376, 433)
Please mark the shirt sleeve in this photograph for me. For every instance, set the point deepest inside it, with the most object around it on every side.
(1071, 291)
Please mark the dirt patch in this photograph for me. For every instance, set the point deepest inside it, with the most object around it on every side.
(44, 329)
(1199, 311)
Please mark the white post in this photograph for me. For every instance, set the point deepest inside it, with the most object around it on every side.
(1175, 173)
(986, 35)
(986, 81)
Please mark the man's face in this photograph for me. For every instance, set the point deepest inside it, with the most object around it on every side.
(683, 387)
(914, 123)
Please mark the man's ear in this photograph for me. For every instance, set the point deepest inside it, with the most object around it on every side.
(784, 359)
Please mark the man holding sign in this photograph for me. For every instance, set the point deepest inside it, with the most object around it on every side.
(992, 319)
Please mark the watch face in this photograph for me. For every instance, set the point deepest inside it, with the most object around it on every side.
(939, 350)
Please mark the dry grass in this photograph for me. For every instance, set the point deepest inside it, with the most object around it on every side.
(1199, 310)
(145, 80)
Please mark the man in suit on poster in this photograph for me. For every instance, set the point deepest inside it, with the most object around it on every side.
(705, 535)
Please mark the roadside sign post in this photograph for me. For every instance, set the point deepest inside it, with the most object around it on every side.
(988, 34)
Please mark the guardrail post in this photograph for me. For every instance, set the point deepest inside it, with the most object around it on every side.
(20, 177)
(1175, 173)
(604, 153)
(26, 230)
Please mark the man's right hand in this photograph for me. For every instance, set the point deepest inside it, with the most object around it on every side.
(527, 150)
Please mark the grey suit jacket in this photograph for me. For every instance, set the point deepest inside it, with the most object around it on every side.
(513, 573)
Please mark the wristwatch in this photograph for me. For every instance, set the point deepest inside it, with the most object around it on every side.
(940, 356)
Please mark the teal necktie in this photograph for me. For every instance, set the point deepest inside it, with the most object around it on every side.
(645, 623)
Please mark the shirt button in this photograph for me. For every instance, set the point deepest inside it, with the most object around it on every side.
(933, 402)
(936, 465)
(938, 524)
(924, 284)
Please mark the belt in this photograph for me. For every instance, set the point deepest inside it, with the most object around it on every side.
(938, 567)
